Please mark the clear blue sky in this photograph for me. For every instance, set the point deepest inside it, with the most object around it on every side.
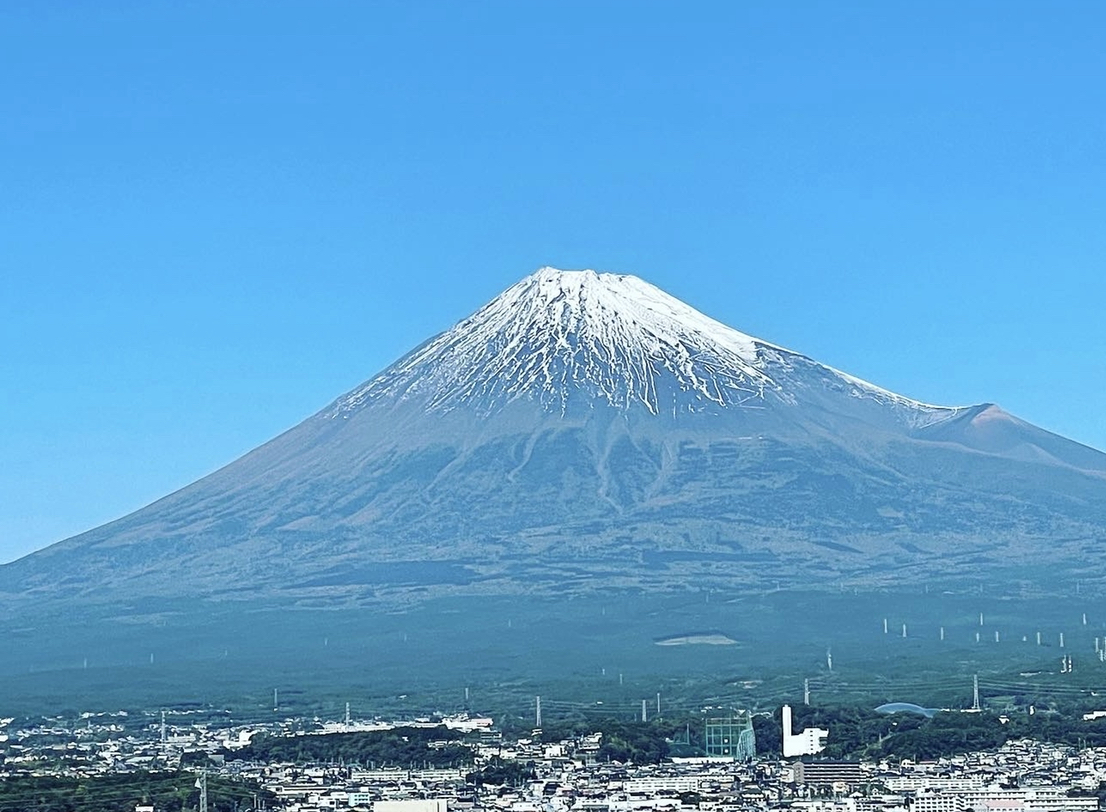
(216, 217)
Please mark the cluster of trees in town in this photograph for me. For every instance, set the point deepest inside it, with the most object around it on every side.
(857, 732)
(624, 741)
(502, 772)
(403, 747)
(167, 792)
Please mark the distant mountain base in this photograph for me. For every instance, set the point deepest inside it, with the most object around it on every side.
(507, 650)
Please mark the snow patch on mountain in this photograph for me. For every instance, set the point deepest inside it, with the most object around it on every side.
(563, 337)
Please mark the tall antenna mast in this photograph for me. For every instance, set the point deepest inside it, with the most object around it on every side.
(975, 692)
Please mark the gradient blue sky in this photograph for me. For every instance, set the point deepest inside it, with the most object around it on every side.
(217, 217)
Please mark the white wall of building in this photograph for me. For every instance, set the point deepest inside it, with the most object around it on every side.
(810, 741)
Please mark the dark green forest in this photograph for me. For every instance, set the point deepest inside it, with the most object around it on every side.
(403, 747)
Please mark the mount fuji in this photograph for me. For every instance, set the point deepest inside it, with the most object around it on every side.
(587, 432)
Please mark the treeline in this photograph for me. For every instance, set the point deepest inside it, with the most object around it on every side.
(637, 742)
(855, 733)
(167, 792)
(863, 733)
(403, 747)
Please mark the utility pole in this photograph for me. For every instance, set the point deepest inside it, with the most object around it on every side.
(658, 703)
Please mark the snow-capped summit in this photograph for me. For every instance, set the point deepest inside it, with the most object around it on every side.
(587, 431)
(567, 338)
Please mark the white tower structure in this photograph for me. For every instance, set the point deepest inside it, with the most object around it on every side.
(812, 740)
(201, 782)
